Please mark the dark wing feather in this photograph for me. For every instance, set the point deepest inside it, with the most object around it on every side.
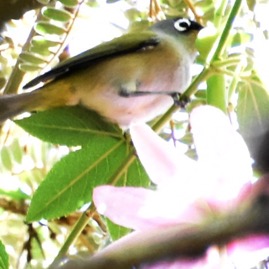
(125, 44)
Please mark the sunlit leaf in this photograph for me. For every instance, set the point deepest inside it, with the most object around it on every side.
(15, 195)
(6, 158)
(43, 2)
(69, 3)
(42, 51)
(135, 176)
(4, 264)
(56, 14)
(187, 139)
(112, 1)
(31, 58)
(191, 153)
(205, 41)
(41, 45)
(70, 126)
(46, 28)
(201, 94)
(69, 184)
(29, 67)
(216, 91)
(253, 109)
(116, 231)
(16, 150)
(253, 119)
(241, 38)
(251, 4)
(42, 42)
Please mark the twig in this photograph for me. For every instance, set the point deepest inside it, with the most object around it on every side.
(176, 242)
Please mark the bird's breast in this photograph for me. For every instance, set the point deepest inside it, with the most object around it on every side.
(161, 69)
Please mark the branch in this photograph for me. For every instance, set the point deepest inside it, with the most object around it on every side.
(15, 9)
(17, 207)
(176, 242)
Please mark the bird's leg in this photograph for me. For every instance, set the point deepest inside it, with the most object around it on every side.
(130, 90)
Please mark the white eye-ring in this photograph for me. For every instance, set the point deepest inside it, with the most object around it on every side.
(182, 24)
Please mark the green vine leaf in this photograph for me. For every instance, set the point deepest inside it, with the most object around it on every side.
(69, 126)
(4, 263)
(46, 28)
(116, 231)
(47, 38)
(42, 42)
(26, 67)
(6, 158)
(253, 119)
(135, 176)
(63, 192)
(69, 3)
(253, 108)
(31, 58)
(56, 14)
(15, 195)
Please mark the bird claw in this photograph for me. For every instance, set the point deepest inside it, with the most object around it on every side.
(179, 99)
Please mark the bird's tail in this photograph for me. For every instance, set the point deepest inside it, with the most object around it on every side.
(12, 105)
(56, 94)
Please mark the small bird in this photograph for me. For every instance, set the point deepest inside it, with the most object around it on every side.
(127, 80)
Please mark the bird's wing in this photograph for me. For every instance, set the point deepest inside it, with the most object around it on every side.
(125, 44)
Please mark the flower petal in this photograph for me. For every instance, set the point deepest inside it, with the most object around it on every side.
(249, 251)
(122, 205)
(161, 161)
(223, 154)
(141, 209)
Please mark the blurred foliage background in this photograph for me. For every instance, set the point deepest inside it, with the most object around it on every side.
(231, 73)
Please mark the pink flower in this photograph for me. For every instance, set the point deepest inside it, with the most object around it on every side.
(187, 191)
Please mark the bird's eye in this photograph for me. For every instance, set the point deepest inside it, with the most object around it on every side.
(182, 24)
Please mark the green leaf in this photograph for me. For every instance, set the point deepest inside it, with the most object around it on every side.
(253, 119)
(205, 42)
(112, 1)
(31, 58)
(216, 92)
(46, 28)
(70, 126)
(69, 184)
(69, 3)
(187, 138)
(43, 2)
(56, 14)
(42, 46)
(191, 153)
(135, 176)
(201, 94)
(116, 231)
(6, 158)
(240, 38)
(253, 109)
(17, 151)
(15, 195)
(29, 67)
(42, 51)
(43, 42)
(4, 264)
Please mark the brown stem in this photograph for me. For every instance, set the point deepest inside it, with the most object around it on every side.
(177, 242)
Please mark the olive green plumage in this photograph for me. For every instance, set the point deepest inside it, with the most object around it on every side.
(121, 79)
